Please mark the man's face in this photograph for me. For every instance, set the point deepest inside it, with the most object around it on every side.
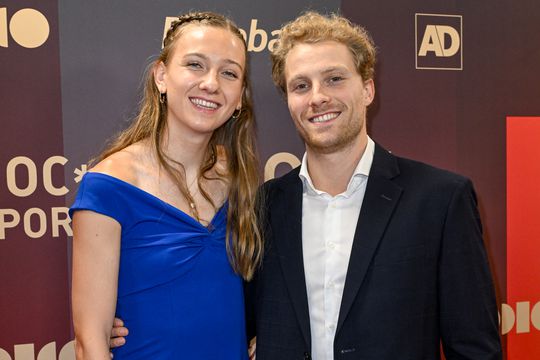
(327, 98)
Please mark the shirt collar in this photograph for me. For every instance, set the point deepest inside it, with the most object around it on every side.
(360, 172)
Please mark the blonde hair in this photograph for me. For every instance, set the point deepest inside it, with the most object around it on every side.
(312, 27)
(236, 138)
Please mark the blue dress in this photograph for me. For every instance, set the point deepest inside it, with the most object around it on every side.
(177, 292)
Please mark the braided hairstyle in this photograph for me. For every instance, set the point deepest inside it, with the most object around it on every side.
(235, 139)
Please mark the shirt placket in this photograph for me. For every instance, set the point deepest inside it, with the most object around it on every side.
(332, 230)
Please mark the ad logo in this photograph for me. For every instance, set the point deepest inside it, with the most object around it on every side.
(28, 27)
(439, 41)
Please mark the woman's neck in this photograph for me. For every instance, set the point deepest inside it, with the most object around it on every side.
(188, 152)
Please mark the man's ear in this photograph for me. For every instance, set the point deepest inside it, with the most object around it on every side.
(369, 91)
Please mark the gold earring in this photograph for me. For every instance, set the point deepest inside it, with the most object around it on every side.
(163, 98)
(236, 114)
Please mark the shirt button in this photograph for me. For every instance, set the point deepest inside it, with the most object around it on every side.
(330, 284)
(331, 245)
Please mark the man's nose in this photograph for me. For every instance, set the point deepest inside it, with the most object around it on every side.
(319, 96)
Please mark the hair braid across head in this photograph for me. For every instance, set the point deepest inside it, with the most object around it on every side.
(185, 19)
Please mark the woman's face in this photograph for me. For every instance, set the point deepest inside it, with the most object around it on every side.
(203, 79)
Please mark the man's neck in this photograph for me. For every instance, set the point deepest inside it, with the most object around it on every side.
(332, 172)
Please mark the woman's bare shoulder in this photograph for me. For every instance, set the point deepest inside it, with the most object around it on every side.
(124, 164)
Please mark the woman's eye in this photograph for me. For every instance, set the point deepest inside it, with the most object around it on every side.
(230, 74)
(194, 65)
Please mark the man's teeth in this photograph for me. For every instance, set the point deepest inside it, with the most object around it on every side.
(325, 117)
(204, 103)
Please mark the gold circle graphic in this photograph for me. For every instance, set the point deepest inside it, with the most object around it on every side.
(29, 28)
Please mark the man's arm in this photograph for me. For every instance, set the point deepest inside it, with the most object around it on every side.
(468, 308)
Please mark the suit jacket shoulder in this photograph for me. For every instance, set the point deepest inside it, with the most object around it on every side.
(408, 168)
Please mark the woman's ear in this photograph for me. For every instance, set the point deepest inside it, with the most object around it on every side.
(240, 102)
(160, 74)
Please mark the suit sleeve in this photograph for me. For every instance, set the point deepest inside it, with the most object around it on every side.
(249, 295)
(468, 309)
(250, 287)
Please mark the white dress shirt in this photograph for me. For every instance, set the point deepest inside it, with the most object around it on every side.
(328, 227)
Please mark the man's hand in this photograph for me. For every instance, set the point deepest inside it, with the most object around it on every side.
(117, 334)
(252, 348)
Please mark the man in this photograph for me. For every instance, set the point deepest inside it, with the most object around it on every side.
(368, 255)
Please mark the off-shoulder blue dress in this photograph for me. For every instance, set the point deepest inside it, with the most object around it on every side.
(177, 292)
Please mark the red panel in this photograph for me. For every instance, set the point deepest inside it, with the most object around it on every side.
(523, 236)
(34, 297)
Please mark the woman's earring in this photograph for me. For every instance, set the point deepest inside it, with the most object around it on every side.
(163, 98)
(236, 114)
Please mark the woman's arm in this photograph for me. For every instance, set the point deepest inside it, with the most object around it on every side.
(96, 257)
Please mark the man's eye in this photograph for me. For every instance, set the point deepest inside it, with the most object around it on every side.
(335, 79)
(300, 87)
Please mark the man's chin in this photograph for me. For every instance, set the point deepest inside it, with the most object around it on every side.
(324, 146)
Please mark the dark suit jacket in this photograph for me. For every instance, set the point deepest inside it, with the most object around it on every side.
(418, 272)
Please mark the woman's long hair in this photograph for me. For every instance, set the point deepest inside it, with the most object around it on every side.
(236, 138)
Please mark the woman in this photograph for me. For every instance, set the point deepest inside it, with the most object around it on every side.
(164, 225)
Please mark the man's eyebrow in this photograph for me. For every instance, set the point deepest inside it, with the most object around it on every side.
(297, 77)
(334, 68)
(326, 71)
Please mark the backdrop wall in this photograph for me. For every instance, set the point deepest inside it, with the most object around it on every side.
(457, 86)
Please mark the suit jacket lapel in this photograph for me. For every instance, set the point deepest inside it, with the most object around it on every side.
(288, 240)
(380, 199)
